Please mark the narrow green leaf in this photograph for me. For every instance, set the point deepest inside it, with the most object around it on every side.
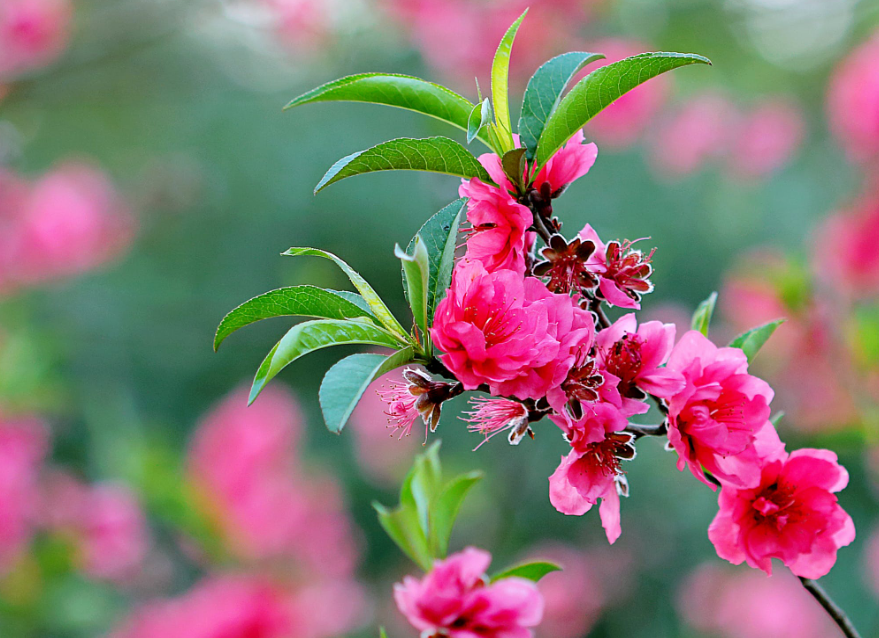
(751, 341)
(344, 383)
(544, 91)
(440, 236)
(480, 117)
(391, 89)
(382, 633)
(500, 80)
(531, 571)
(427, 476)
(354, 298)
(433, 154)
(702, 317)
(416, 270)
(378, 307)
(293, 301)
(513, 164)
(445, 511)
(777, 417)
(598, 90)
(402, 526)
(309, 336)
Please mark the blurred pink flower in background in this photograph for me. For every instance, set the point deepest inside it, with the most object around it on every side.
(33, 33)
(104, 522)
(302, 25)
(69, 221)
(766, 139)
(734, 603)
(385, 458)
(23, 446)
(871, 562)
(622, 123)
(847, 249)
(699, 131)
(245, 465)
(853, 102)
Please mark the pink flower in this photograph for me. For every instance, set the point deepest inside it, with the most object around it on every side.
(32, 34)
(720, 420)
(514, 335)
(847, 247)
(454, 599)
(699, 131)
(592, 471)
(23, 446)
(853, 101)
(792, 515)
(735, 604)
(872, 562)
(635, 355)
(570, 163)
(767, 139)
(491, 416)
(623, 273)
(69, 222)
(622, 123)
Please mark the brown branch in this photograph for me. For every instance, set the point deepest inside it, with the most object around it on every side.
(835, 612)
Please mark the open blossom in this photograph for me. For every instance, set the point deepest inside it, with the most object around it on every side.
(872, 562)
(635, 355)
(592, 470)
(510, 333)
(847, 247)
(32, 34)
(455, 600)
(853, 101)
(623, 273)
(731, 603)
(792, 514)
(720, 420)
(420, 396)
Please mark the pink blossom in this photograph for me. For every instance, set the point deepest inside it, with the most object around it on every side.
(514, 335)
(635, 355)
(454, 599)
(720, 420)
(622, 123)
(23, 446)
(791, 514)
(699, 131)
(302, 25)
(744, 604)
(623, 273)
(592, 468)
(400, 407)
(33, 33)
(68, 222)
(847, 248)
(498, 235)
(853, 101)
(872, 562)
(491, 416)
(570, 163)
(767, 138)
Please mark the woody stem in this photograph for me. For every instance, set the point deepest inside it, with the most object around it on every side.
(835, 612)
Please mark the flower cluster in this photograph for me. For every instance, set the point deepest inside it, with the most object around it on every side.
(529, 326)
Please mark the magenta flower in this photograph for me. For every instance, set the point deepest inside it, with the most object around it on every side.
(511, 334)
(720, 420)
(853, 101)
(635, 355)
(455, 600)
(591, 470)
(847, 247)
(623, 273)
(418, 396)
(32, 34)
(491, 416)
(767, 138)
(570, 163)
(792, 514)
(497, 236)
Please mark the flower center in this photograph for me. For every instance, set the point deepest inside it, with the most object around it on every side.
(624, 361)
(775, 504)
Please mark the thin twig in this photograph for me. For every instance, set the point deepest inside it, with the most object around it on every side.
(835, 612)
(647, 430)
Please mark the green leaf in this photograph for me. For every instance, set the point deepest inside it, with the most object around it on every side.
(702, 317)
(445, 511)
(427, 476)
(440, 236)
(354, 298)
(382, 633)
(513, 164)
(500, 79)
(480, 117)
(294, 301)
(598, 90)
(344, 383)
(391, 89)
(544, 91)
(378, 307)
(433, 154)
(777, 417)
(416, 270)
(309, 336)
(751, 341)
(401, 525)
(531, 571)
